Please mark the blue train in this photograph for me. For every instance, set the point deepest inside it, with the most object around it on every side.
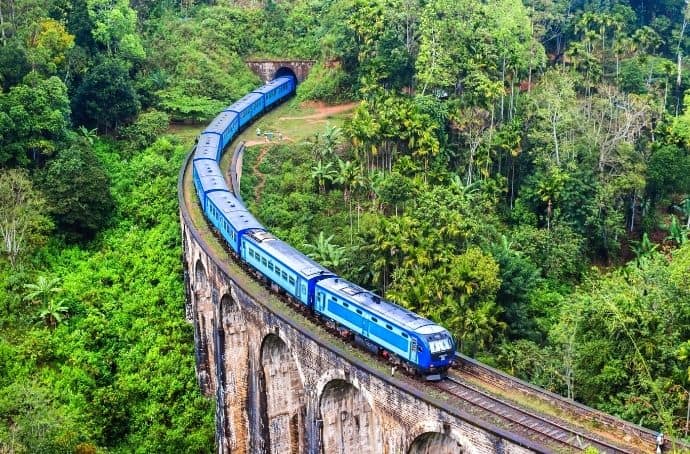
(380, 324)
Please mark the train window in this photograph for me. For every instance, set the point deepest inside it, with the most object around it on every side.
(345, 304)
(404, 335)
(270, 266)
(389, 327)
(292, 280)
(264, 262)
(374, 319)
(284, 274)
(359, 312)
(277, 270)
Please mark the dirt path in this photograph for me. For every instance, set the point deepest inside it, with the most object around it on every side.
(323, 111)
(260, 176)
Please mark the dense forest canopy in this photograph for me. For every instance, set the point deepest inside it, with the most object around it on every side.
(518, 171)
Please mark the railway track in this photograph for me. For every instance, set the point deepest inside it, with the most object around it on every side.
(636, 438)
(549, 431)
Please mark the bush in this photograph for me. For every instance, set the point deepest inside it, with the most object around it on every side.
(144, 131)
(325, 82)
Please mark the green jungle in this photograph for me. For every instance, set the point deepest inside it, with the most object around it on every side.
(518, 171)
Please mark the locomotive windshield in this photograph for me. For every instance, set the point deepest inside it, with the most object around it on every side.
(439, 345)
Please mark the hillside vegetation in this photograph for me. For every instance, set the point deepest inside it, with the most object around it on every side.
(517, 171)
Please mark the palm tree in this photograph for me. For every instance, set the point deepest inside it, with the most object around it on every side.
(53, 313)
(326, 253)
(684, 208)
(351, 178)
(42, 291)
(322, 173)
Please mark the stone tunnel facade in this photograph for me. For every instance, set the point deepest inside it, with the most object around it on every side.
(280, 388)
(267, 70)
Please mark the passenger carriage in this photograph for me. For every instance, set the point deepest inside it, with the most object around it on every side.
(230, 217)
(225, 126)
(276, 90)
(207, 179)
(247, 108)
(282, 264)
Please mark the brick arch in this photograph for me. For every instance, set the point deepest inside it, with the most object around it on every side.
(348, 420)
(431, 437)
(200, 277)
(285, 71)
(203, 321)
(435, 443)
(232, 358)
(285, 404)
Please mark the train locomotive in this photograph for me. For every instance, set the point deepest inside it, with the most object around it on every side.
(383, 326)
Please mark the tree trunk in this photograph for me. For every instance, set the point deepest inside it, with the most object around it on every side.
(2, 26)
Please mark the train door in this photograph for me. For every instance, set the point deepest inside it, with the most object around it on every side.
(303, 291)
(413, 350)
(320, 301)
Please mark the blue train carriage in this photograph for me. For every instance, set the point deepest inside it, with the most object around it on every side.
(276, 90)
(247, 107)
(225, 125)
(288, 268)
(413, 338)
(208, 178)
(208, 147)
(230, 217)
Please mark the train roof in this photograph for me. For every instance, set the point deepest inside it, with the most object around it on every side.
(207, 147)
(272, 85)
(244, 102)
(377, 305)
(210, 175)
(240, 218)
(221, 122)
(288, 255)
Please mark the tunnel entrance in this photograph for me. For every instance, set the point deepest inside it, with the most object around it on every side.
(285, 71)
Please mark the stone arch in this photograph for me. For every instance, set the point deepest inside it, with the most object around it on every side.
(203, 320)
(285, 71)
(200, 278)
(348, 421)
(435, 443)
(232, 357)
(285, 409)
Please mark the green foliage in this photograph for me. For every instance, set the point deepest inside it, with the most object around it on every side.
(182, 107)
(144, 131)
(23, 221)
(558, 251)
(76, 186)
(106, 98)
(119, 375)
(34, 120)
(327, 83)
(668, 171)
(114, 26)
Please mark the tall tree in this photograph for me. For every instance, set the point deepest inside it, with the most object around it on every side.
(106, 97)
(78, 190)
(24, 222)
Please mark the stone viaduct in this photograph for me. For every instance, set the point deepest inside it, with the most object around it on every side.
(284, 385)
